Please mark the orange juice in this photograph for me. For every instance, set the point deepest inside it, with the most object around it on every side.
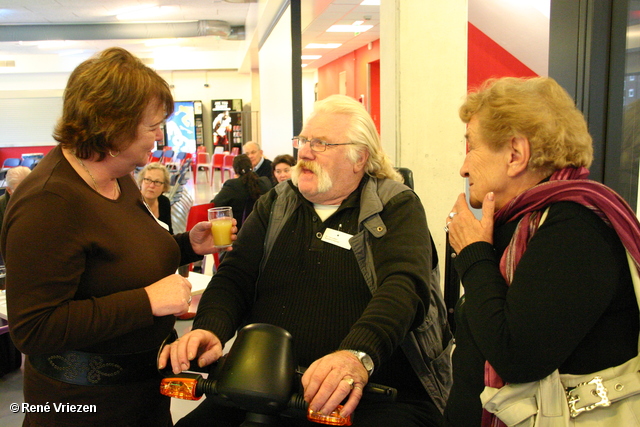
(221, 231)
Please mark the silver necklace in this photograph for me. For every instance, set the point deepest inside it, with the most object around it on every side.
(116, 188)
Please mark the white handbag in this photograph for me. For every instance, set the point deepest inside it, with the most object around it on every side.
(610, 397)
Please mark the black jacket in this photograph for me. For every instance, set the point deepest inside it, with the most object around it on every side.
(233, 193)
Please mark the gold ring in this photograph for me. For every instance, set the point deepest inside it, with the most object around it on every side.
(349, 381)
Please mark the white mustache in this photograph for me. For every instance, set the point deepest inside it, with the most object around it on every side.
(324, 180)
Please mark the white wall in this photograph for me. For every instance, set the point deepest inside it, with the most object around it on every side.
(188, 85)
(276, 105)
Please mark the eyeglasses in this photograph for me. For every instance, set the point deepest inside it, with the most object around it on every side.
(150, 181)
(317, 145)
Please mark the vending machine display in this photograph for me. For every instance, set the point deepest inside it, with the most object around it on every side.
(227, 123)
(184, 128)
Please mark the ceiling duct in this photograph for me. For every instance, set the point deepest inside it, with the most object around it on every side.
(221, 29)
(114, 31)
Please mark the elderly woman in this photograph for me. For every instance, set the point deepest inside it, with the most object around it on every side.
(91, 286)
(154, 180)
(281, 167)
(546, 278)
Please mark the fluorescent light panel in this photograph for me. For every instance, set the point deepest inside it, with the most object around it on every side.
(370, 3)
(311, 56)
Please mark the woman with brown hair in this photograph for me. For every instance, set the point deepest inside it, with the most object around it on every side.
(91, 286)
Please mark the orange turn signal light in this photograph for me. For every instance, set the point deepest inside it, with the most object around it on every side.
(181, 387)
(333, 419)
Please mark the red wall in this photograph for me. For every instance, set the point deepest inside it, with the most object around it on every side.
(356, 66)
(488, 59)
(16, 152)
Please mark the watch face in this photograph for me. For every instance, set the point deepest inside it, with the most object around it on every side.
(367, 362)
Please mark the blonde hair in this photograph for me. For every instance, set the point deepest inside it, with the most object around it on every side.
(538, 109)
(362, 131)
(156, 166)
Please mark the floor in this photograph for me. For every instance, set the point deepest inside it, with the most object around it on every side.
(11, 384)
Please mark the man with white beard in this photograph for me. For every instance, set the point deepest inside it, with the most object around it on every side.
(341, 257)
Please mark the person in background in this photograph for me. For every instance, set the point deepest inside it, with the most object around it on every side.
(13, 178)
(242, 191)
(347, 324)
(547, 285)
(154, 180)
(281, 166)
(91, 286)
(261, 166)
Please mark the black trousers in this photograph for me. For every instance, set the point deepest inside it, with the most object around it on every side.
(368, 414)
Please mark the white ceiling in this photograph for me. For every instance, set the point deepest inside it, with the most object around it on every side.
(24, 22)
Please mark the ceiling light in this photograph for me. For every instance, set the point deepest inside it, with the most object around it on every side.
(311, 57)
(303, 65)
(370, 3)
(323, 45)
(145, 13)
(358, 22)
(348, 28)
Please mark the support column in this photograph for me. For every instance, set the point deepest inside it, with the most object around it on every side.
(423, 61)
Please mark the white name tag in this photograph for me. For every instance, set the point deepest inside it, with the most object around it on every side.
(337, 238)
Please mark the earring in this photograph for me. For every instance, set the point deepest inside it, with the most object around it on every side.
(113, 155)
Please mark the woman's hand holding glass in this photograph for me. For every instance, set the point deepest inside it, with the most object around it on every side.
(464, 228)
(202, 239)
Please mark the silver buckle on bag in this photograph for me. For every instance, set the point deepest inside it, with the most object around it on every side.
(600, 391)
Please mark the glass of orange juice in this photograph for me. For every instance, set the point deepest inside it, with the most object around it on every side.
(221, 221)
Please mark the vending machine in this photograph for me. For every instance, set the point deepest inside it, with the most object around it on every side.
(183, 130)
(227, 123)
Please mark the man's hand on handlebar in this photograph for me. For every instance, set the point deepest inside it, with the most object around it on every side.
(330, 379)
(199, 342)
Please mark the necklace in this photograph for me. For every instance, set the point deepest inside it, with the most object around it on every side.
(116, 188)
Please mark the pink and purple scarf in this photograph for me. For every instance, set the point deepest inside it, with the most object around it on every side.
(569, 184)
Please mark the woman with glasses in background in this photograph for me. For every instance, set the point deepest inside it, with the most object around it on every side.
(153, 181)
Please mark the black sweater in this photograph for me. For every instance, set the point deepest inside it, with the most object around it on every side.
(316, 291)
(571, 306)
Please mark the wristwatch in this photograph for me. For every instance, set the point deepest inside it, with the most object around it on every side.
(366, 360)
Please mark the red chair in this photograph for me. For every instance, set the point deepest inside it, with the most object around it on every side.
(155, 156)
(227, 165)
(167, 157)
(203, 161)
(235, 151)
(218, 160)
(198, 213)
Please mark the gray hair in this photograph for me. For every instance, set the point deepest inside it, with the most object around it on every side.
(15, 176)
(362, 131)
(156, 166)
(252, 142)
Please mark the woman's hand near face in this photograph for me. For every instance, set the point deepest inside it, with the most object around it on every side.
(202, 240)
(465, 229)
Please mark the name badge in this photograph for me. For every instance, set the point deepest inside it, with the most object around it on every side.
(337, 238)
